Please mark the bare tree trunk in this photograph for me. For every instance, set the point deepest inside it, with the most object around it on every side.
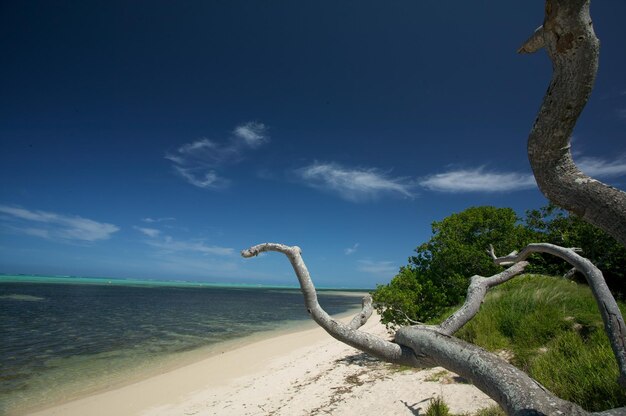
(429, 346)
(568, 36)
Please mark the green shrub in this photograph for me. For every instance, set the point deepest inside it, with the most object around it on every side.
(438, 275)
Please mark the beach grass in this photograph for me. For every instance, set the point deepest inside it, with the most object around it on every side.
(437, 407)
(490, 411)
(550, 328)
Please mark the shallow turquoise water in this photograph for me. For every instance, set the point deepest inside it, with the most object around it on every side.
(61, 340)
(6, 278)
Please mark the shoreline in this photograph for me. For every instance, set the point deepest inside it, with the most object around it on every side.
(169, 363)
(83, 356)
(301, 371)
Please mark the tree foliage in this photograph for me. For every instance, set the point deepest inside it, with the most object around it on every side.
(554, 225)
(438, 275)
(409, 297)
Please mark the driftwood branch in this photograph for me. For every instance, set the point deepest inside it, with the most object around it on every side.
(569, 39)
(378, 347)
(428, 346)
(611, 315)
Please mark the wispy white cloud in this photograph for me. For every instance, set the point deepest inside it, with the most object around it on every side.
(202, 178)
(36, 232)
(481, 180)
(153, 220)
(204, 153)
(594, 166)
(197, 162)
(253, 133)
(55, 226)
(169, 244)
(478, 180)
(378, 268)
(351, 250)
(356, 184)
(150, 232)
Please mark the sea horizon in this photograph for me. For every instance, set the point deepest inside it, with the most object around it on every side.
(129, 281)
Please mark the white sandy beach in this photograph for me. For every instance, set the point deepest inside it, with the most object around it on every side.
(300, 373)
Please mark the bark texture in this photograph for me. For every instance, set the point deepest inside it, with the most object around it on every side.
(568, 36)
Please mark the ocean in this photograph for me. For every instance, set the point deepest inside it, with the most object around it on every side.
(62, 338)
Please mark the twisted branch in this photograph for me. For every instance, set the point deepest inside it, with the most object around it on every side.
(348, 334)
(568, 36)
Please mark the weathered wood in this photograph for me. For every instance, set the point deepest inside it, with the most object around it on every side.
(568, 36)
(349, 334)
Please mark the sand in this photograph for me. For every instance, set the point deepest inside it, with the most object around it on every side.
(299, 373)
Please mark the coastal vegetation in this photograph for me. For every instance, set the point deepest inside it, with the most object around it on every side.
(551, 328)
(437, 277)
(548, 324)
(439, 407)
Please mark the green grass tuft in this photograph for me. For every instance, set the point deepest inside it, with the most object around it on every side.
(437, 407)
(580, 370)
(437, 376)
(491, 411)
(555, 333)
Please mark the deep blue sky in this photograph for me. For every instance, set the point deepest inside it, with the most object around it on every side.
(158, 139)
